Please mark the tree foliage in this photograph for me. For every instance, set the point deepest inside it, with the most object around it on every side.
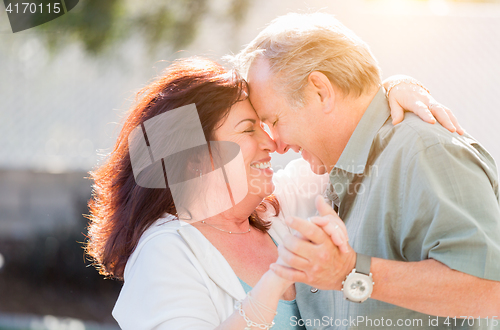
(99, 24)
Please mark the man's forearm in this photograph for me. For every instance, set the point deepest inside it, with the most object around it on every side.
(432, 288)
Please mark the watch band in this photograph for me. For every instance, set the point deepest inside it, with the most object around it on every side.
(363, 263)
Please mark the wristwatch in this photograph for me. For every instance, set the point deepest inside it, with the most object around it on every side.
(358, 285)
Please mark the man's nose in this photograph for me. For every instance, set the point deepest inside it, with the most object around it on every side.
(267, 143)
(281, 147)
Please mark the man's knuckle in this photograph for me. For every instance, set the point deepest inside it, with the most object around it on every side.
(315, 269)
(323, 256)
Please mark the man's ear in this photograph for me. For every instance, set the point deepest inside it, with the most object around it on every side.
(323, 90)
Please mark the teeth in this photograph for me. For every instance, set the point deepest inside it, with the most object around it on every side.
(300, 149)
(261, 165)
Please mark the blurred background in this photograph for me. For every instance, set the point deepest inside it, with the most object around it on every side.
(66, 85)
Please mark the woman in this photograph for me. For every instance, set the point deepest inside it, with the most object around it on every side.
(189, 274)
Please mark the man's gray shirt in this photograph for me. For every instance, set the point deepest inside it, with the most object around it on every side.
(410, 192)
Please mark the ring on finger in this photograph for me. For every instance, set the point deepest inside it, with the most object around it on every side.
(431, 104)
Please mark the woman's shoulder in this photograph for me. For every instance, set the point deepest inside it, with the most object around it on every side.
(167, 225)
(166, 222)
(165, 274)
(160, 240)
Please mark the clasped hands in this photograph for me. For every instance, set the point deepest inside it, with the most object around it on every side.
(319, 253)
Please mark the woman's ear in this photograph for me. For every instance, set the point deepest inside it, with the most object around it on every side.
(323, 90)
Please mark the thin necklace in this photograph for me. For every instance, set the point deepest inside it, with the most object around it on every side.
(226, 231)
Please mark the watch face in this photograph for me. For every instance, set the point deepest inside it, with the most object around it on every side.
(357, 287)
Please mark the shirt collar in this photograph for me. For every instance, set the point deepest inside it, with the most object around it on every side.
(214, 263)
(355, 155)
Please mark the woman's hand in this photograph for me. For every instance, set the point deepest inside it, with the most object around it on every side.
(414, 98)
(284, 282)
(261, 306)
(331, 223)
(320, 256)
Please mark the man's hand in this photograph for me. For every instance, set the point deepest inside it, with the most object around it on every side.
(313, 258)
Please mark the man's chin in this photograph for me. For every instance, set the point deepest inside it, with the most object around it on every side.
(318, 169)
(316, 165)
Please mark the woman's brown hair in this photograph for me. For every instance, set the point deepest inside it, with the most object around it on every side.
(121, 210)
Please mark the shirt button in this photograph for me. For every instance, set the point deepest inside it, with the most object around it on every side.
(314, 290)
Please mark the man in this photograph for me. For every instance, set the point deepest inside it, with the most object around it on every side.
(420, 204)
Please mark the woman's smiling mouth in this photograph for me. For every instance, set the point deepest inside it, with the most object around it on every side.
(261, 166)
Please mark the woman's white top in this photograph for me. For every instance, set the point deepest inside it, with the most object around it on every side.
(176, 278)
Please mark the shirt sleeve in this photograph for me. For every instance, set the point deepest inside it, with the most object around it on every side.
(450, 208)
(163, 289)
(296, 188)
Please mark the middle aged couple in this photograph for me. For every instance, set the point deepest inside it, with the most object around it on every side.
(413, 242)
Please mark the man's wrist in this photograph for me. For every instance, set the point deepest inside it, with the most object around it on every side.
(350, 263)
(358, 285)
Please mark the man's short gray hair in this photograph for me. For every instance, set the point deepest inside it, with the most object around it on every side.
(297, 44)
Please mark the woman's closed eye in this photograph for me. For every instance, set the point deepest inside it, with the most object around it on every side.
(249, 130)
